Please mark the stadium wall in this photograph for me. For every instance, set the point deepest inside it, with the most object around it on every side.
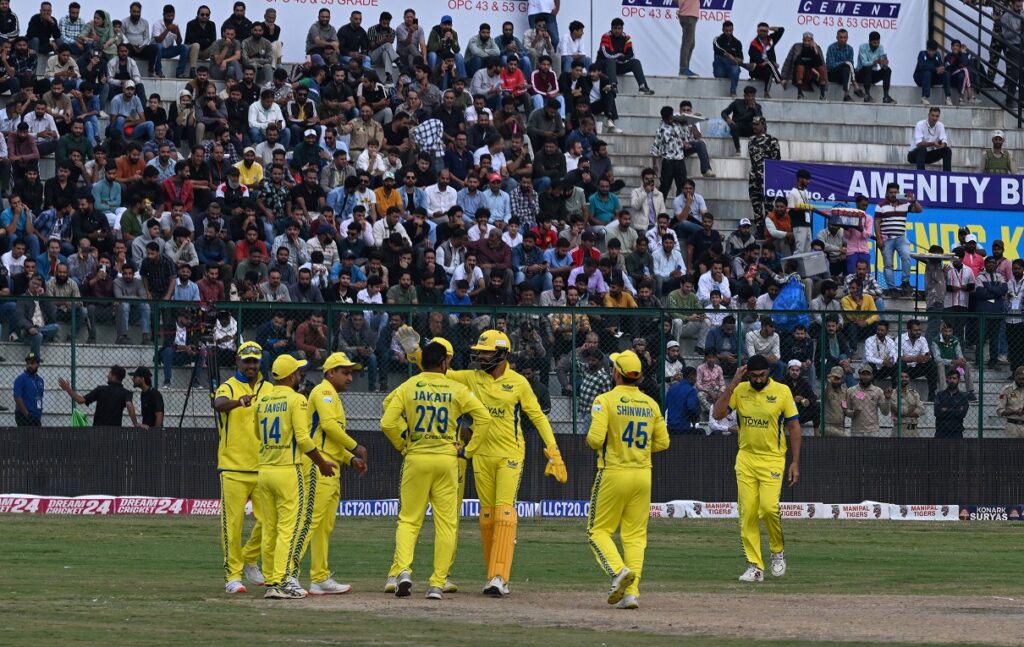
(182, 463)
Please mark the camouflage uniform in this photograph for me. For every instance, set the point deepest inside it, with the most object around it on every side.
(863, 405)
(760, 147)
(835, 412)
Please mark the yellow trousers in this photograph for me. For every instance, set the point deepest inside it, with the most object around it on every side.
(236, 488)
(620, 501)
(322, 512)
(497, 480)
(433, 479)
(463, 466)
(758, 485)
(282, 490)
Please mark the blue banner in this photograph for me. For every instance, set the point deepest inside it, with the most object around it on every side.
(980, 205)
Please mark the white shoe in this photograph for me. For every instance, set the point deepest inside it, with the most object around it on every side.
(620, 583)
(294, 583)
(450, 587)
(404, 585)
(234, 586)
(949, 101)
(610, 127)
(496, 587)
(434, 593)
(752, 574)
(103, 115)
(778, 564)
(391, 585)
(329, 587)
(925, 102)
(293, 592)
(628, 602)
(253, 574)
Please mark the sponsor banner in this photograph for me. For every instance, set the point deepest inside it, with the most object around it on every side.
(989, 512)
(655, 29)
(565, 509)
(702, 510)
(935, 189)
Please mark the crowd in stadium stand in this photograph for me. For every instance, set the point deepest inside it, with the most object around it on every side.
(396, 166)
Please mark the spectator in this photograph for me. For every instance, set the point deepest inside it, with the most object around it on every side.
(29, 389)
(572, 49)
(911, 408)
(929, 143)
(891, 230)
(616, 54)
(834, 351)
(311, 339)
(834, 396)
(111, 399)
(1011, 26)
(803, 394)
(841, 66)
(710, 380)
(150, 398)
(960, 283)
(951, 406)
(873, 66)
(765, 341)
(728, 57)
(763, 63)
(861, 314)
(761, 147)
(880, 352)
(931, 71)
(725, 341)
(947, 351)
(594, 380)
(864, 401)
(669, 266)
(990, 300)
(804, 66)
(917, 357)
(682, 409)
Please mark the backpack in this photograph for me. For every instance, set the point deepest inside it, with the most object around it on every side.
(791, 297)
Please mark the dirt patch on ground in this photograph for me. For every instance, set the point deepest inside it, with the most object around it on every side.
(760, 615)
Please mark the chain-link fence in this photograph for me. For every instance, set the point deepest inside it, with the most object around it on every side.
(853, 373)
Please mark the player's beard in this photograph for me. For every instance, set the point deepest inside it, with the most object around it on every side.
(757, 386)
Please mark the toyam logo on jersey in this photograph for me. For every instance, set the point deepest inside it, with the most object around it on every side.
(564, 509)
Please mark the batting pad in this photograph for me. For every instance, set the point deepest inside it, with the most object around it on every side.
(504, 545)
(487, 533)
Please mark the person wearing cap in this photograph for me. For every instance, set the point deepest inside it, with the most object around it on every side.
(250, 173)
(238, 466)
(763, 406)
(29, 389)
(282, 426)
(151, 400)
(445, 40)
(997, 160)
(911, 408)
(498, 465)
(626, 428)
(803, 394)
(421, 421)
(834, 397)
(1011, 404)
(864, 401)
(328, 426)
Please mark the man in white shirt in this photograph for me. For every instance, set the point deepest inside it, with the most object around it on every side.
(468, 271)
(713, 279)
(168, 40)
(388, 225)
(263, 113)
(880, 352)
(917, 356)
(669, 266)
(41, 124)
(441, 197)
(930, 144)
(572, 47)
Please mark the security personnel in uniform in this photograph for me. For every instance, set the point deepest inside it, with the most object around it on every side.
(1011, 405)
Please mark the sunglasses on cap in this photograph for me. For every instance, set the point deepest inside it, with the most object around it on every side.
(250, 353)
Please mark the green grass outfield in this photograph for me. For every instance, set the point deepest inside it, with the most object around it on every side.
(157, 580)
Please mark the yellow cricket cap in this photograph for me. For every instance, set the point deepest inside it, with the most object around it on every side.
(285, 365)
(628, 364)
(250, 349)
(447, 345)
(492, 340)
(335, 360)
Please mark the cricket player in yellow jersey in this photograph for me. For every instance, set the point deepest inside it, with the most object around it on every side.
(238, 465)
(282, 422)
(763, 407)
(415, 358)
(626, 428)
(328, 427)
(421, 421)
(498, 460)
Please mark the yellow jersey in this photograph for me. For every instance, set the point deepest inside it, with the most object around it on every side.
(626, 428)
(422, 415)
(250, 176)
(327, 424)
(507, 399)
(762, 417)
(282, 426)
(239, 447)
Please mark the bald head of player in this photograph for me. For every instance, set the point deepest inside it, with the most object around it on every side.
(435, 358)
(757, 371)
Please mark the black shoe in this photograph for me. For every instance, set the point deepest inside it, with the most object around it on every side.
(869, 99)
(821, 95)
(846, 98)
(799, 94)
(646, 90)
(906, 290)
(888, 99)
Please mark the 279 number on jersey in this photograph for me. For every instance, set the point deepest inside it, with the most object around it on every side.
(635, 434)
(438, 415)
